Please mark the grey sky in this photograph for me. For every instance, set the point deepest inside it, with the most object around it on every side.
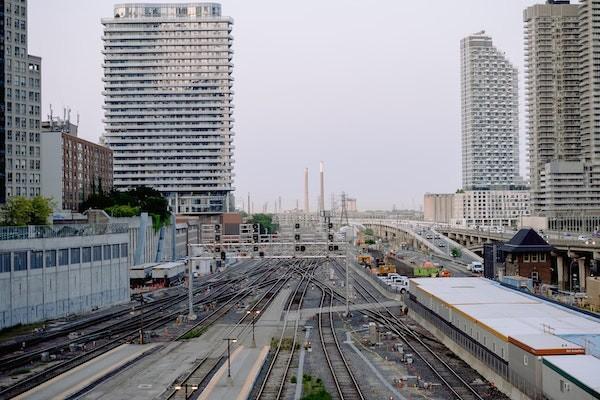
(371, 88)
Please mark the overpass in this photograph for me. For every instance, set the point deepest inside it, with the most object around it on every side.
(583, 255)
(404, 231)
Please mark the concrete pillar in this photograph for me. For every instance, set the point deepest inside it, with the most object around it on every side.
(560, 270)
(581, 275)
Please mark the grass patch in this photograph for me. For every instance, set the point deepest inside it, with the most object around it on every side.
(194, 333)
(286, 344)
(314, 389)
(19, 329)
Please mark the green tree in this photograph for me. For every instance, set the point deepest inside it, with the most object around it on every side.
(17, 211)
(20, 211)
(369, 232)
(41, 209)
(265, 221)
(122, 211)
(142, 199)
(455, 252)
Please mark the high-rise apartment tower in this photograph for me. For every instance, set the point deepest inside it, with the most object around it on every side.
(552, 89)
(20, 93)
(168, 102)
(490, 119)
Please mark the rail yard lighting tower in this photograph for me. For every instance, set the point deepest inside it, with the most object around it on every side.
(229, 341)
(255, 315)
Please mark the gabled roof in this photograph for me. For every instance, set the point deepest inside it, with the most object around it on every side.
(526, 241)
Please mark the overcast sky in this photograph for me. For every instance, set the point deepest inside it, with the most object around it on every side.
(372, 88)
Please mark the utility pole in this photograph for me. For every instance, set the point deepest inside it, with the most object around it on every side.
(191, 315)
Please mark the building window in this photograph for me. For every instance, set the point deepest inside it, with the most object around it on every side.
(115, 251)
(63, 257)
(37, 259)
(526, 258)
(525, 360)
(542, 257)
(4, 262)
(124, 249)
(21, 261)
(50, 258)
(564, 386)
(107, 252)
(75, 255)
(534, 257)
(86, 254)
(97, 253)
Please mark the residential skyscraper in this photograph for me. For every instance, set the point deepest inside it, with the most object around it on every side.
(552, 90)
(20, 92)
(490, 116)
(168, 102)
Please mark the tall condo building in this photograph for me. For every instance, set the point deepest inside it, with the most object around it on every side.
(168, 102)
(490, 119)
(552, 90)
(563, 112)
(20, 90)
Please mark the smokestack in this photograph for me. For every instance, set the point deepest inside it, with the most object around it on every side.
(322, 195)
(306, 207)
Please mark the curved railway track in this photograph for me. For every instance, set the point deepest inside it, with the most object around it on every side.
(125, 333)
(200, 375)
(273, 384)
(345, 382)
(448, 376)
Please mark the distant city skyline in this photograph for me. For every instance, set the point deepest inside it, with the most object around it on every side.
(383, 115)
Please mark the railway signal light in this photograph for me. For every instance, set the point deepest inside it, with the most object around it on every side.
(297, 226)
(217, 249)
(223, 255)
(255, 228)
(330, 237)
(330, 225)
(217, 227)
(255, 238)
(217, 238)
(297, 237)
(261, 254)
(255, 248)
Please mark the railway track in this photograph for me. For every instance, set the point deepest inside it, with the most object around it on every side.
(16, 344)
(201, 374)
(124, 334)
(345, 382)
(273, 384)
(448, 376)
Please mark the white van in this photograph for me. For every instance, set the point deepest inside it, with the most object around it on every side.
(476, 267)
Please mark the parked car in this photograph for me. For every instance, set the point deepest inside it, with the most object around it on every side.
(583, 238)
(476, 267)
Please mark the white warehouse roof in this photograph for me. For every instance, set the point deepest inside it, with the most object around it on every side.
(524, 320)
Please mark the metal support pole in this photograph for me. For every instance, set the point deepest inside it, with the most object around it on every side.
(191, 315)
(186, 391)
(228, 360)
(347, 286)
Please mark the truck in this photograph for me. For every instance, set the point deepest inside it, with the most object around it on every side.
(476, 267)
(364, 259)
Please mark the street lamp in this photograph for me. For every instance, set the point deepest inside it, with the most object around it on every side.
(254, 315)
(229, 340)
(186, 386)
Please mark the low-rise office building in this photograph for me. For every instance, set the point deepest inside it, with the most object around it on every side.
(49, 272)
(499, 208)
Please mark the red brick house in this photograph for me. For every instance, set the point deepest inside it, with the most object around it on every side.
(528, 255)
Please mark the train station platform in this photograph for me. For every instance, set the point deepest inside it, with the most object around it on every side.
(77, 379)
